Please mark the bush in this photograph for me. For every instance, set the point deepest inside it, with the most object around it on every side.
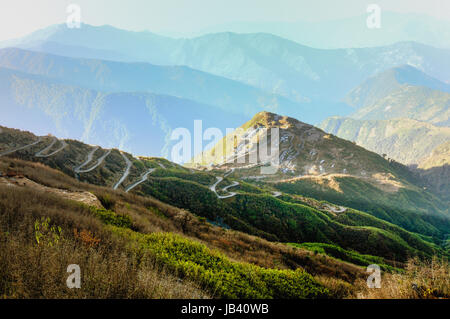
(220, 276)
(111, 218)
(106, 200)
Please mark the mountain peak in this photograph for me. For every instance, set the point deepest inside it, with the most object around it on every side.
(268, 120)
(389, 81)
(304, 151)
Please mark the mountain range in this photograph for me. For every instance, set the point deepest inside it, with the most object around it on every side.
(351, 32)
(251, 243)
(276, 65)
(138, 122)
(402, 112)
(235, 74)
(278, 209)
(357, 172)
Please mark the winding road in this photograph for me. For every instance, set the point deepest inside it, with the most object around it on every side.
(220, 179)
(229, 186)
(234, 184)
(63, 146)
(276, 194)
(39, 154)
(336, 210)
(143, 179)
(126, 173)
(89, 159)
(21, 148)
(230, 172)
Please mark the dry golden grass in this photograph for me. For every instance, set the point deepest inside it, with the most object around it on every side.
(109, 268)
(21, 207)
(421, 280)
(151, 215)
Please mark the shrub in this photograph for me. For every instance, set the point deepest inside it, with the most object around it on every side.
(111, 218)
(86, 237)
(45, 233)
(219, 275)
(107, 201)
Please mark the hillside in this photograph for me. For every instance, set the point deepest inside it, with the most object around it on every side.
(137, 122)
(119, 77)
(278, 66)
(316, 164)
(435, 169)
(123, 249)
(417, 103)
(401, 92)
(405, 140)
(251, 209)
(404, 114)
(127, 249)
(389, 81)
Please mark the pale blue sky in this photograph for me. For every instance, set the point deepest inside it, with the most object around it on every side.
(20, 17)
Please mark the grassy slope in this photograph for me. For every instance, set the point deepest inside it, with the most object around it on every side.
(279, 220)
(407, 207)
(405, 140)
(156, 243)
(258, 213)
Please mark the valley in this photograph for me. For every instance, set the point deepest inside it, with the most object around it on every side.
(334, 169)
(221, 194)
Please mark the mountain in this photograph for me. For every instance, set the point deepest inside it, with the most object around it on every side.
(385, 83)
(313, 163)
(94, 42)
(284, 218)
(300, 72)
(276, 65)
(404, 140)
(154, 229)
(304, 150)
(435, 169)
(402, 112)
(402, 92)
(349, 32)
(440, 156)
(177, 81)
(138, 122)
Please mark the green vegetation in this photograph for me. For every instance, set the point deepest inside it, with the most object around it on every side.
(220, 276)
(132, 251)
(392, 207)
(45, 233)
(199, 177)
(225, 263)
(111, 218)
(107, 201)
(345, 255)
(277, 220)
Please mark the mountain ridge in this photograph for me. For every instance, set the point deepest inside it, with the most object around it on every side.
(185, 188)
(280, 66)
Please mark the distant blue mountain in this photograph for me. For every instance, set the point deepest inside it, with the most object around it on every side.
(276, 65)
(349, 32)
(140, 123)
(179, 81)
(384, 83)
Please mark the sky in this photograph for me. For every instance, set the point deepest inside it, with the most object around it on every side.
(20, 17)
